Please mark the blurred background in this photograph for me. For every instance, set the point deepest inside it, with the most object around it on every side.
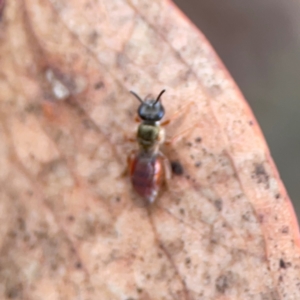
(259, 42)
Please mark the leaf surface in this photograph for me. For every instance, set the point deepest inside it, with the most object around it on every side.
(71, 225)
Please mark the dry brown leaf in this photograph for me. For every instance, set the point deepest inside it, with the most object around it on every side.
(70, 224)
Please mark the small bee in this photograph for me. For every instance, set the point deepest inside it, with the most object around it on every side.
(149, 169)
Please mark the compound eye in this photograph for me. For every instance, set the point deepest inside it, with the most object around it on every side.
(160, 111)
(151, 111)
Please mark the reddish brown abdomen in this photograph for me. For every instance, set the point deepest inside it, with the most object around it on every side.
(146, 176)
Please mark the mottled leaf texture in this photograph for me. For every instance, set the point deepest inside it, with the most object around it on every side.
(71, 226)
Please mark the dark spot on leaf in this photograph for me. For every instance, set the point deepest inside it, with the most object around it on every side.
(29, 193)
(261, 175)
(26, 238)
(174, 247)
(188, 262)
(218, 204)
(198, 139)
(246, 216)
(93, 37)
(177, 168)
(88, 124)
(92, 180)
(33, 108)
(198, 164)
(71, 218)
(14, 292)
(260, 218)
(21, 224)
(99, 85)
(285, 229)
(185, 77)
(224, 282)
(283, 264)
(215, 90)
(239, 196)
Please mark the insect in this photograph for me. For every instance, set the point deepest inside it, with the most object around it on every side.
(148, 167)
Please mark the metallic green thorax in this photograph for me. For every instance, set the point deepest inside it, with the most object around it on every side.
(148, 136)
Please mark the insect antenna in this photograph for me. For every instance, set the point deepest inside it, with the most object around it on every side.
(158, 97)
(137, 96)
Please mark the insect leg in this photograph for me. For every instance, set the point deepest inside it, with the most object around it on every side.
(167, 167)
(130, 159)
